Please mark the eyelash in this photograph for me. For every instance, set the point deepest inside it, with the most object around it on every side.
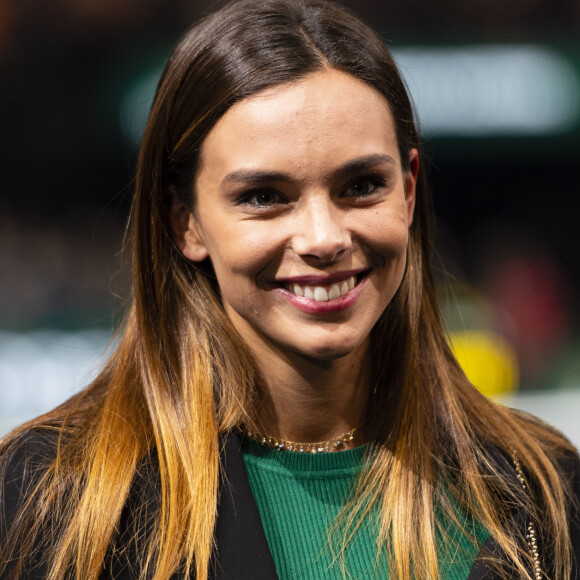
(246, 198)
(375, 181)
(249, 197)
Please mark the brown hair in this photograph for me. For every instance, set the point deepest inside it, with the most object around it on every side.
(181, 374)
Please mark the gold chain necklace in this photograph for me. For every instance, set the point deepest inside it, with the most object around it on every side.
(531, 530)
(317, 447)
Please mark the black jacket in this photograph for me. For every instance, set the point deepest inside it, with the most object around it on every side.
(241, 548)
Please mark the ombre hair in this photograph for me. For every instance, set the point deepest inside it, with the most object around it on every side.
(180, 373)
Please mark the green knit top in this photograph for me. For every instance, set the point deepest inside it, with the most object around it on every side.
(299, 496)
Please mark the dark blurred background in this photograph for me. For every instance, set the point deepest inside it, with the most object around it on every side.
(497, 86)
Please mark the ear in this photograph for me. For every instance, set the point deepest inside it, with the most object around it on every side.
(187, 233)
(410, 178)
(194, 247)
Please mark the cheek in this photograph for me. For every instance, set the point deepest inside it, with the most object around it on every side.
(240, 253)
(387, 234)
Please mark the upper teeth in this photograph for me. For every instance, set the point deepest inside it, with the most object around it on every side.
(321, 293)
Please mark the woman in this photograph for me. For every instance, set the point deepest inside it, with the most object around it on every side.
(282, 399)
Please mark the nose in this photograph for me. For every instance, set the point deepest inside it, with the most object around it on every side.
(320, 230)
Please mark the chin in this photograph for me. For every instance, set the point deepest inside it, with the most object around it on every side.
(330, 351)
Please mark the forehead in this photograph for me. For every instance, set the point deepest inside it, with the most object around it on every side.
(326, 116)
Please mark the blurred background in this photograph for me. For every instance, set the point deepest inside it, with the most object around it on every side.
(497, 88)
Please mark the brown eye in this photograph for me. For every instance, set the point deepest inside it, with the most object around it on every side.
(364, 187)
(263, 198)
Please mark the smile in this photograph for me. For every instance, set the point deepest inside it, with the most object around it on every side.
(322, 293)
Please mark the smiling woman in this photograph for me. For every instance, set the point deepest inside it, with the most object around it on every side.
(283, 402)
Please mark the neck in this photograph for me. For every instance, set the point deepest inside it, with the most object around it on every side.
(313, 401)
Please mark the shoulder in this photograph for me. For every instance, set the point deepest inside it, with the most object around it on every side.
(24, 460)
(569, 464)
(557, 448)
(565, 460)
(36, 446)
(571, 471)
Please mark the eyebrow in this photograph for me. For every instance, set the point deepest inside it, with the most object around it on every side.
(356, 165)
(364, 163)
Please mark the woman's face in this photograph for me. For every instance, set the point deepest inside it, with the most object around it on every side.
(303, 207)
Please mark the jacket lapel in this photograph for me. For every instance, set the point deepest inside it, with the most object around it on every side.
(481, 569)
(241, 547)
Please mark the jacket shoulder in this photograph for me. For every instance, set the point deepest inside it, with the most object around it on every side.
(24, 460)
(571, 470)
(567, 462)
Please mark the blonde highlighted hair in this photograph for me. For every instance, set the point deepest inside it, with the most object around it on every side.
(181, 375)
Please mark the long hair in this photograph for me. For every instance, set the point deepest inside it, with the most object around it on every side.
(181, 375)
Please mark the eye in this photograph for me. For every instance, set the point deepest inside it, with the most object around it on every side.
(363, 187)
(261, 199)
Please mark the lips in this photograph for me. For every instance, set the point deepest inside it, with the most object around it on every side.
(316, 288)
(322, 293)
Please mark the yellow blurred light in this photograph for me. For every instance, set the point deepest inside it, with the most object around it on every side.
(488, 361)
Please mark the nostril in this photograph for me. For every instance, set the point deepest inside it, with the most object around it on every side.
(325, 258)
(323, 248)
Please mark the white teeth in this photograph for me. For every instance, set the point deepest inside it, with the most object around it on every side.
(334, 292)
(320, 294)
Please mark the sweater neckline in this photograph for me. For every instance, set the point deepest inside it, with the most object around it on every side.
(298, 464)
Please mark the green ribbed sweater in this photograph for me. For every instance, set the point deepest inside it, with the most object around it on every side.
(299, 495)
